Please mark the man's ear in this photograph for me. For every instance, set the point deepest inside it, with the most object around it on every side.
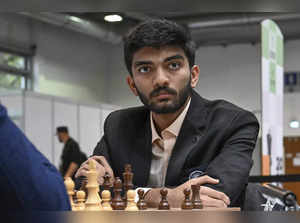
(195, 72)
(131, 85)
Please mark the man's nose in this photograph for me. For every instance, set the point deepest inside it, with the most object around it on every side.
(161, 78)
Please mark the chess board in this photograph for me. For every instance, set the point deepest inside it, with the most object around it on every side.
(102, 201)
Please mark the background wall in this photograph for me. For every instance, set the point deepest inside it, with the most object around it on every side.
(67, 63)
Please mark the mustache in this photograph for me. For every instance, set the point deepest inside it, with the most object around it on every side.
(158, 90)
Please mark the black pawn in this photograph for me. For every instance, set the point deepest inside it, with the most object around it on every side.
(187, 203)
(117, 202)
(141, 204)
(164, 204)
(197, 204)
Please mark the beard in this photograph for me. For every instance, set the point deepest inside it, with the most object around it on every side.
(179, 100)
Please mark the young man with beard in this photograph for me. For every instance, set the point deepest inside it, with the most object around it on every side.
(177, 138)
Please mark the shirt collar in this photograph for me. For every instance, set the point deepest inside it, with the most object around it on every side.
(174, 128)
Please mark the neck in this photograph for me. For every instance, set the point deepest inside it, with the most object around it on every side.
(163, 121)
(65, 139)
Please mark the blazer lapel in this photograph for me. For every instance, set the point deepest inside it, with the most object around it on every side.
(189, 135)
(141, 158)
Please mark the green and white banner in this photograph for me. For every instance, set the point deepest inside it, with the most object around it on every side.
(272, 98)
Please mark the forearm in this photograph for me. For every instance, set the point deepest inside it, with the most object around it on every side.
(71, 170)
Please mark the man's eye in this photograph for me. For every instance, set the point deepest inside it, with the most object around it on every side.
(144, 69)
(174, 66)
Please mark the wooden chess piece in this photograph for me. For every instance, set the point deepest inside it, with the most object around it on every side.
(106, 184)
(197, 204)
(163, 204)
(93, 202)
(131, 205)
(117, 202)
(128, 177)
(141, 204)
(80, 206)
(106, 198)
(69, 184)
(187, 203)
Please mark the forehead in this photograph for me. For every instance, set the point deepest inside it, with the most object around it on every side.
(157, 54)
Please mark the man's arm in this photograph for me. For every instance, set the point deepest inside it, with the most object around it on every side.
(208, 196)
(102, 165)
(233, 163)
(71, 169)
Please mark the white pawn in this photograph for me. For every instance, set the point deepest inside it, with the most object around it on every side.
(80, 206)
(131, 205)
(106, 197)
(69, 184)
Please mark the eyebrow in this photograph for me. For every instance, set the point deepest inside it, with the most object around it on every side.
(177, 56)
(139, 63)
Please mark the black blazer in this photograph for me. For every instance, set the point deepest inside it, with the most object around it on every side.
(216, 137)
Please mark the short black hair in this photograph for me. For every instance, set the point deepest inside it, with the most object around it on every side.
(158, 33)
(62, 129)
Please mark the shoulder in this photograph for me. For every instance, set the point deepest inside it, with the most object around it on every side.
(72, 143)
(128, 115)
(3, 112)
(126, 121)
(226, 113)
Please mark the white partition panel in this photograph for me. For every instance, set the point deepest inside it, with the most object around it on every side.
(104, 114)
(14, 106)
(38, 124)
(65, 114)
(90, 124)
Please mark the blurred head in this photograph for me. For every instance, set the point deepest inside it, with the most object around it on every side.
(159, 56)
(62, 133)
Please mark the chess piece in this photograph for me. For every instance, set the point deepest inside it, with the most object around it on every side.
(106, 197)
(163, 204)
(93, 202)
(80, 206)
(141, 204)
(197, 204)
(127, 176)
(187, 203)
(106, 184)
(131, 205)
(69, 184)
(117, 202)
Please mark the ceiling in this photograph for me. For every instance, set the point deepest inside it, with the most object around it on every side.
(206, 28)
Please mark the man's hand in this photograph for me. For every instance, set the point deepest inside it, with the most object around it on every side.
(102, 167)
(208, 196)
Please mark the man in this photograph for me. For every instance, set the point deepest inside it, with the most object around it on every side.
(71, 157)
(177, 136)
(28, 181)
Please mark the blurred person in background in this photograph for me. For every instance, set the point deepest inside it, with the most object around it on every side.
(72, 157)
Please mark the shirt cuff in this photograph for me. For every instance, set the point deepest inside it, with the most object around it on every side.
(146, 189)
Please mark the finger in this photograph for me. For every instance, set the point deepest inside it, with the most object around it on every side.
(81, 172)
(211, 202)
(100, 180)
(100, 170)
(85, 167)
(204, 180)
(103, 161)
(214, 194)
